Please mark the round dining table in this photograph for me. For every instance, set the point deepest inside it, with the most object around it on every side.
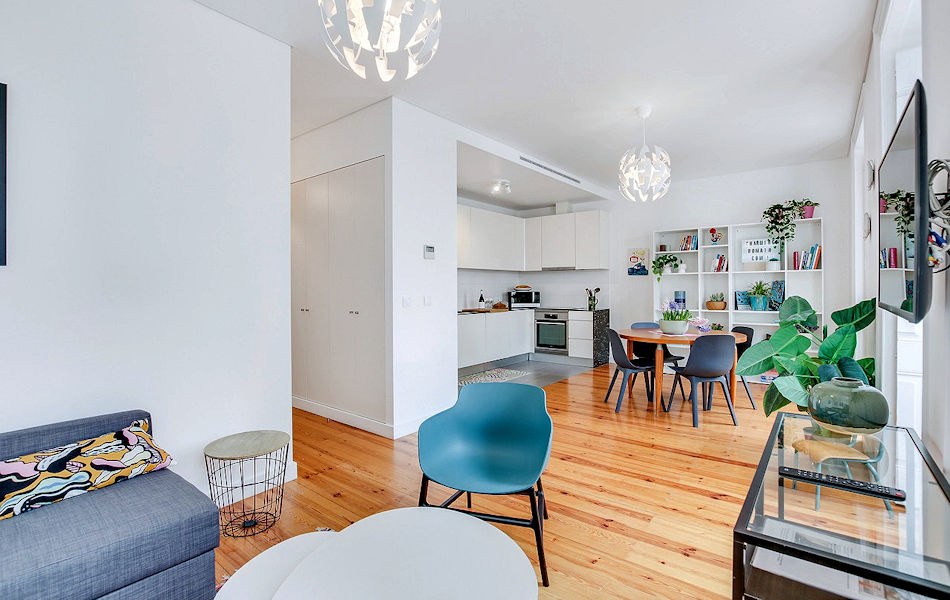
(655, 336)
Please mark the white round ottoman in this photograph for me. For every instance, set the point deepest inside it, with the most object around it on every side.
(263, 574)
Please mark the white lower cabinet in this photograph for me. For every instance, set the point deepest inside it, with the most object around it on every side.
(484, 337)
(580, 334)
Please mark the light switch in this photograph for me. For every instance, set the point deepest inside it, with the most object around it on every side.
(428, 252)
(407, 301)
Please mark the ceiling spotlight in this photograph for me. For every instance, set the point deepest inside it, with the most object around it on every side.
(501, 186)
(398, 37)
(645, 171)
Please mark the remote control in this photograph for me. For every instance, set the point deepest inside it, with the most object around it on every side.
(841, 483)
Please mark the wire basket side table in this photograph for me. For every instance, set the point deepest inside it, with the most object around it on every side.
(246, 477)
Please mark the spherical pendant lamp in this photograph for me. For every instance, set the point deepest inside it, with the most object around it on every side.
(399, 37)
(645, 171)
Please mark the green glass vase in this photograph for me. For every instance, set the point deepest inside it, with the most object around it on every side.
(848, 406)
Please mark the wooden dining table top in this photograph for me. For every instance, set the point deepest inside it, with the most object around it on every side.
(654, 335)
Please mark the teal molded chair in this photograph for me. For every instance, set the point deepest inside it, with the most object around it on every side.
(495, 440)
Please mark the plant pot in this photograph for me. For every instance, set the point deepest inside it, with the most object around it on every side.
(759, 302)
(716, 306)
(849, 406)
(681, 269)
(808, 212)
(883, 205)
(773, 265)
(674, 327)
(592, 304)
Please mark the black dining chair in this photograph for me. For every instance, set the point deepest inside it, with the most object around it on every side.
(627, 367)
(710, 361)
(645, 352)
(740, 349)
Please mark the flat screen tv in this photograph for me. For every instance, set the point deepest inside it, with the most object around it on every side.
(905, 273)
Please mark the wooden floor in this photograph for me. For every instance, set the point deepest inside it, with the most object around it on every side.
(640, 506)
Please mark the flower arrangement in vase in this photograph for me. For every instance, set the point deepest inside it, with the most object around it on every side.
(675, 319)
(592, 298)
(759, 295)
(664, 263)
(716, 301)
(717, 327)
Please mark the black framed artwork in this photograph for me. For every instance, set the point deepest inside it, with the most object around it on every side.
(3, 174)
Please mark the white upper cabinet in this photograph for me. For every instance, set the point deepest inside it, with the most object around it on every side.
(532, 244)
(464, 236)
(591, 240)
(494, 241)
(557, 241)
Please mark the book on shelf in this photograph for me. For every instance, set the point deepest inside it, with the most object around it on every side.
(807, 259)
(689, 242)
(719, 264)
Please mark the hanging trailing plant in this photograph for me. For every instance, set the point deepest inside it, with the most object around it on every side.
(780, 223)
(663, 260)
(787, 351)
(901, 202)
(799, 206)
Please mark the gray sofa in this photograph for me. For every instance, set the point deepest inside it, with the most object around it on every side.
(151, 537)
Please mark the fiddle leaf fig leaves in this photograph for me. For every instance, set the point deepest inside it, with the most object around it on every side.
(860, 315)
(839, 344)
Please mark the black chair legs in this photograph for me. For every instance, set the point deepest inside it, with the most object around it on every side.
(539, 512)
(537, 524)
(612, 382)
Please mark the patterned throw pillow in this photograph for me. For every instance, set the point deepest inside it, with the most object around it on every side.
(52, 475)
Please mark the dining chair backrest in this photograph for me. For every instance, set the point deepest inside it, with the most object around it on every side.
(644, 349)
(711, 356)
(748, 332)
(618, 351)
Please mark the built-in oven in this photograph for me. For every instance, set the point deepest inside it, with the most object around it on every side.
(524, 299)
(550, 331)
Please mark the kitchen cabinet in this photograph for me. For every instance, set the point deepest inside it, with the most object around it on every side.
(472, 339)
(464, 235)
(337, 236)
(484, 337)
(558, 241)
(580, 334)
(591, 235)
(532, 244)
(495, 241)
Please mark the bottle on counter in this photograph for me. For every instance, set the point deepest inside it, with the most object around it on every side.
(481, 299)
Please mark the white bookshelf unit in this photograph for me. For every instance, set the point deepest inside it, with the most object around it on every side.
(699, 281)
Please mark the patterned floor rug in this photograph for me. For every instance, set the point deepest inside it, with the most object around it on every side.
(491, 375)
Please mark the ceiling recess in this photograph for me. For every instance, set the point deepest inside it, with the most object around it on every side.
(549, 169)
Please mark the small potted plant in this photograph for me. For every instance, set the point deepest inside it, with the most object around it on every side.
(675, 320)
(592, 298)
(773, 264)
(902, 203)
(804, 207)
(780, 223)
(716, 301)
(717, 327)
(665, 263)
(759, 295)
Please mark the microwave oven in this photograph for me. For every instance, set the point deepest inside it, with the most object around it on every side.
(524, 299)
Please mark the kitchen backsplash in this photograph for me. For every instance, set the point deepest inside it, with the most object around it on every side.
(559, 289)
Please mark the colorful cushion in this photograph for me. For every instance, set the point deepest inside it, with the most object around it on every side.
(53, 475)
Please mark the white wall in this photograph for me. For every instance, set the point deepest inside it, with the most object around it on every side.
(936, 411)
(148, 220)
(725, 200)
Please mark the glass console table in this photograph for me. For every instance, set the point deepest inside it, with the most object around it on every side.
(798, 540)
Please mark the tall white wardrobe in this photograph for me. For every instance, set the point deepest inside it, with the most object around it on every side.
(338, 291)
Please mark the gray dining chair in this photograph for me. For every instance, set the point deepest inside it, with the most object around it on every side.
(645, 352)
(627, 367)
(710, 361)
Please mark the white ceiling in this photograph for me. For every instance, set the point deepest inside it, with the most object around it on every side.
(477, 171)
(736, 84)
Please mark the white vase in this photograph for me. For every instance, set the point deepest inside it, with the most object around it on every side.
(773, 265)
(673, 327)
(681, 269)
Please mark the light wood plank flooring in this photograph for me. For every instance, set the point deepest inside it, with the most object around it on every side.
(640, 506)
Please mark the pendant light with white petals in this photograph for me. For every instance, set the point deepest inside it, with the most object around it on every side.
(398, 36)
(644, 171)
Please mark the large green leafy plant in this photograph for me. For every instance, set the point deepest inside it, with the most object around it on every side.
(787, 351)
